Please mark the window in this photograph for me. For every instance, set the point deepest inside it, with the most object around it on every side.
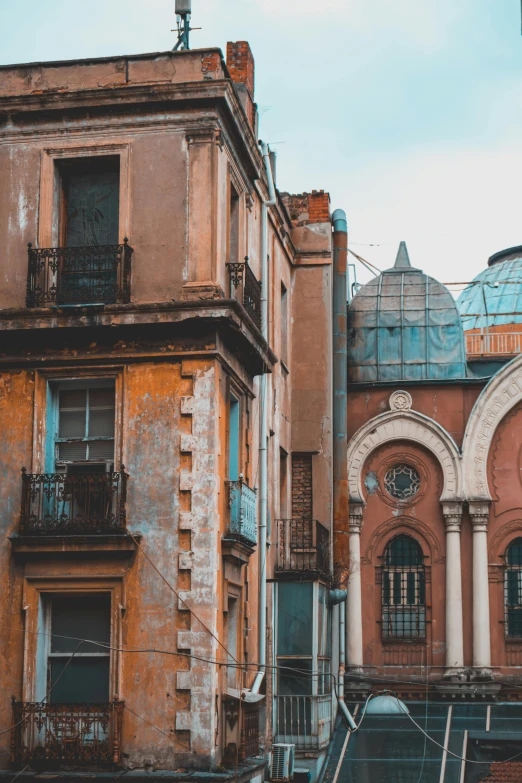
(284, 324)
(233, 236)
(513, 589)
(69, 619)
(283, 484)
(233, 622)
(233, 439)
(402, 482)
(403, 590)
(85, 427)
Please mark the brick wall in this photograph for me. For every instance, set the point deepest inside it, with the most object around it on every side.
(302, 486)
(240, 63)
(306, 208)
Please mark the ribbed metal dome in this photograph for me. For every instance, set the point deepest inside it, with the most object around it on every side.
(404, 325)
(495, 296)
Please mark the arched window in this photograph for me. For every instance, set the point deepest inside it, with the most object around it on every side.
(513, 589)
(403, 590)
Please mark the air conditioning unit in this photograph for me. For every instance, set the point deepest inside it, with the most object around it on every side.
(282, 768)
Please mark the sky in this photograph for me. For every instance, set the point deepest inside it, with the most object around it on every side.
(409, 112)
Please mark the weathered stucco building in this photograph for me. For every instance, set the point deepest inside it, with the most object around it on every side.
(165, 385)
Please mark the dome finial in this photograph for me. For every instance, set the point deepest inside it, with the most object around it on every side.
(403, 259)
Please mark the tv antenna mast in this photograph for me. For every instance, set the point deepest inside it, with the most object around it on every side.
(183, 12)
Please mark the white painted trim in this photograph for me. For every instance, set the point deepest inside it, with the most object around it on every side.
(500, 395)
(405, 425)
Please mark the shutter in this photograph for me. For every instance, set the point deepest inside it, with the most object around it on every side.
(73, 411)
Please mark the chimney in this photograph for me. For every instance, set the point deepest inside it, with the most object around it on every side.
(240, 63)
(318, 207)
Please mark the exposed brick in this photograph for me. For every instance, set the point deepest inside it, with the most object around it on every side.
(240, 63)
(306, 208)
(302, 500)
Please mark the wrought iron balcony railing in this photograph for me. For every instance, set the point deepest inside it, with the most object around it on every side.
(303, 547)
(246, 288)
(60, 503)
(242, 501)
(249, 731)
(79, 275)
(304, 721)
(71, 734)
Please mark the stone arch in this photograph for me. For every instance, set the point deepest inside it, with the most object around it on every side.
(501, 394)
(387, 531)
(405, 425)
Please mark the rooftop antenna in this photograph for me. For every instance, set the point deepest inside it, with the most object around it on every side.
(183, 12)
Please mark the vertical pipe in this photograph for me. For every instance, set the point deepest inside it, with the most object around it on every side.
(340, 441)
(263, 402)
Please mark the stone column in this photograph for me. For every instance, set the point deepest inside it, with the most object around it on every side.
(354, 646)
(452, 512)
(479, 513)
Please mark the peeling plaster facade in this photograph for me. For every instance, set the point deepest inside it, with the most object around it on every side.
(183, 135)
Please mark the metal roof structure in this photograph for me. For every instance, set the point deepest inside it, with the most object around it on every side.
(404, 325)
(494, 298)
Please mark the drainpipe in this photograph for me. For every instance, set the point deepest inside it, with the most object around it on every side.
(263, 435)
(340, 444)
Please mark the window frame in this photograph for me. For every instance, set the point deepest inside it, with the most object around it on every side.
(50, 202)
(510, 568)
(392, 608)
(36, 640)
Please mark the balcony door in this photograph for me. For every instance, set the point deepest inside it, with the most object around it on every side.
(89, 226)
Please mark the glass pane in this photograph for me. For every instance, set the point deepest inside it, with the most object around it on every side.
(294, 677)
(403, 551)
(514, 552)
(81, 617)
(92, 208)
(102, 449)
(72, 424)
(72, 451)
(101, 398)
(402, 482)
(73, 399)
(294, 618)
(101, 423)
(86, 680)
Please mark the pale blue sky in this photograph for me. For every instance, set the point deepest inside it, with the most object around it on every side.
(408, 111)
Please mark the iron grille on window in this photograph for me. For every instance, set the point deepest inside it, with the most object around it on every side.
(402, 482)
(403, 590)
(513, 589)
(99, 274)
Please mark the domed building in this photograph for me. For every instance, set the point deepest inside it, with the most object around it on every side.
(404, 325)
(491, 311)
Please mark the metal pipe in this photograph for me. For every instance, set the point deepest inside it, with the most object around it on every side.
(263, 394)
(340, 444)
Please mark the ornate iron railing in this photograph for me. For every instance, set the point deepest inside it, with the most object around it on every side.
(66, 733)
(58, 503)
(79, 275)
(242, 501)
(249, 293)
(249, 730)
(303, 546)
(304, 721)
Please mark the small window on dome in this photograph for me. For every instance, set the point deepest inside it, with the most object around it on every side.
(402, 481)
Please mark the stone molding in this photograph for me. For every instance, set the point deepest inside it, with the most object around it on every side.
(400, 401)
(355, 515)
(405, 425)
(452, 512)
(479, 515)
(500, 396)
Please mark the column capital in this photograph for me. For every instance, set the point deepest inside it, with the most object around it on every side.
(479, 513)
(355, 515)
(452, 511)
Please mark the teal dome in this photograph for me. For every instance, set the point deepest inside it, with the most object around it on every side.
(404, 325)
(494, 298)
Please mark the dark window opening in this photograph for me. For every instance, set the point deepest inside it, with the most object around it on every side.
(403, 590)
(513, 589)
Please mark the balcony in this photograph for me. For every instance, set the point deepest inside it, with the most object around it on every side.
(304, 721)
(71, 734)
(246, 288)
(57, 504)
(79, 275)
(249, 731)
(242, 501)
(303, 549)
(493, 344)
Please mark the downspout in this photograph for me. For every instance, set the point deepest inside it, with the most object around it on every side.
(340, 443)
(263, 434)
